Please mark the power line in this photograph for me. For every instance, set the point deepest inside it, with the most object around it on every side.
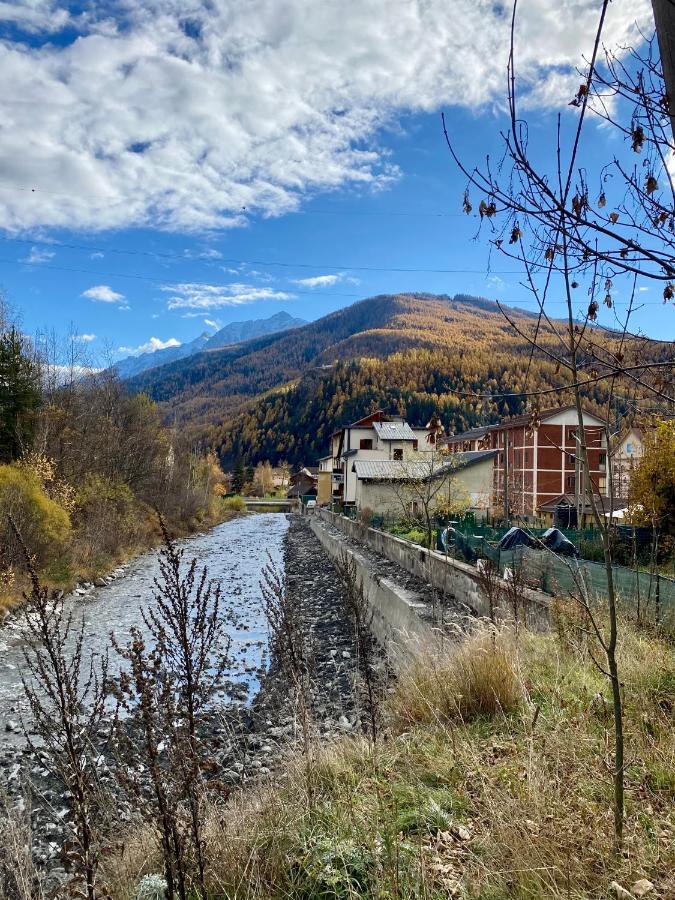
(291, 291)
(255, 262)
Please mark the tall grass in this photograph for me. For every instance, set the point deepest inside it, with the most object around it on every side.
(491, 780)
(480, 678)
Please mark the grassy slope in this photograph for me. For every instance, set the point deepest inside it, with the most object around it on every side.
(492, 782)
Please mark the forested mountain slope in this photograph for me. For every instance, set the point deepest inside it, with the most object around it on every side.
(209, 385)
(280, 397)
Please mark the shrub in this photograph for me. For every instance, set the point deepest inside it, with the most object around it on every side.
(104, 517)
(480, 678)
(44, 525)
(234, 504)
(366, 516)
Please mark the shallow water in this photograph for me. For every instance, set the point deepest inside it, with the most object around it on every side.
(235, 554)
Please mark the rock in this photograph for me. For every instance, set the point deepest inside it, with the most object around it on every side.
(100, 582)
(462, 833)
(620, 893)
(12, 727)
(642, 887)
(344, 723)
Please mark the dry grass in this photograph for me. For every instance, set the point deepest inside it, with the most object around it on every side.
(480, 678)
(493, 783)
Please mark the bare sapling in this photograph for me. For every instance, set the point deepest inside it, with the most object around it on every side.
(291, 646)
(590, 233)
(361, 618)
(490, 585)
(173, 677)
(66, 691)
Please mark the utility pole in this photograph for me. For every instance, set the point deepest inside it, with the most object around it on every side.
(664, 19)
(577, 477)
(506, 477)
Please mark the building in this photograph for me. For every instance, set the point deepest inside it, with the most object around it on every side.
(627, 449)
(395, 487)
(324, 491)
(537, 465)
(377, 436)
(304, 482)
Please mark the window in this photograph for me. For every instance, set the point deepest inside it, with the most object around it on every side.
(629, 449)
(366, 444)
(527, 457)
(602, 484)
(398, 454)
(415, 445)
(570, 481)
(432, 437)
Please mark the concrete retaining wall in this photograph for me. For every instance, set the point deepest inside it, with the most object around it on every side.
(456, 579)
(397, 623)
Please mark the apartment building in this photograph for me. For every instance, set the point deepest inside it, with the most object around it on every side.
(377, 436)
(627, 450)
(540, 465)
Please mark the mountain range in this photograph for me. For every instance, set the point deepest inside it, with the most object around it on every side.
(280, 396)
(234, 333)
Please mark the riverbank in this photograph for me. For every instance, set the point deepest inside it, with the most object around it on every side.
(492, 780)
(249, 742)
(65, 579)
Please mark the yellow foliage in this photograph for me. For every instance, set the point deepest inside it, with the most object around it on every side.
(45, 526)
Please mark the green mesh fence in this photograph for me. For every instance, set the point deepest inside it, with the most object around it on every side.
(652, 595)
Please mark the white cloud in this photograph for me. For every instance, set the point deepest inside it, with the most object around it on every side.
(192, 121)
(38, 255)
(318, 280)
(213, 296)
(211, 323)
(63, 374)
(34, 15)
(103, 293)
(150, 346)
(85, 338)
(97, 255)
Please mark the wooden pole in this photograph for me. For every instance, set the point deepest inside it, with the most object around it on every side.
(664, 19)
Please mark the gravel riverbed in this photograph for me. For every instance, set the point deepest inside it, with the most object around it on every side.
(247, 740)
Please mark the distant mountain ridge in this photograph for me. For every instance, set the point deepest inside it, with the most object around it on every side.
(234, 333)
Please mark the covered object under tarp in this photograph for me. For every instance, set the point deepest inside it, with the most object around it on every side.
(556, 541)
(516, 537)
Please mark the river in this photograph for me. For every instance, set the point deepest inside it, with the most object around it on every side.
(235, 554)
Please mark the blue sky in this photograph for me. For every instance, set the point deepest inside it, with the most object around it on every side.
(160, 179)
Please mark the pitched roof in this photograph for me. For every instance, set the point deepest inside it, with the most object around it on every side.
(394, 431)
(515, 422)
(569, 500)
(471, 434)
(415, 470)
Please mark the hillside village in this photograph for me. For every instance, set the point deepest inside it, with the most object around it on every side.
(512, 470)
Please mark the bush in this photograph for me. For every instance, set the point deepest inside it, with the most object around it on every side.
(44, 525)
(366, 516)
(104, 518)
(480, 678)
(234, 504)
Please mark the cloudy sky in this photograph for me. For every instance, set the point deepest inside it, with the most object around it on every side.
(167, 167)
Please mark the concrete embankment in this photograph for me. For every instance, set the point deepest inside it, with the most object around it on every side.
(443, 592)
(410, 616)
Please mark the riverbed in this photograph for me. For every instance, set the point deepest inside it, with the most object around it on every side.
(234, 553)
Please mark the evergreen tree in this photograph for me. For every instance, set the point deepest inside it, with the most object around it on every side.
(238, 477)
(19, 394)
